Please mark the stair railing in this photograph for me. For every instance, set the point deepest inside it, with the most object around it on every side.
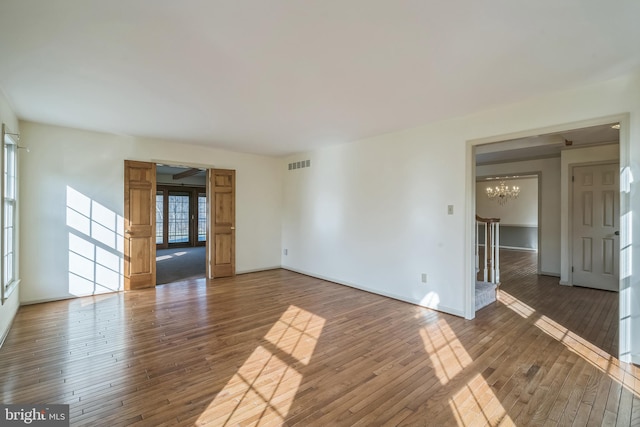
(491, 266)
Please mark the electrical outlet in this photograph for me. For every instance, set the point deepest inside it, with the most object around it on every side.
(424, 277)
(286, 251)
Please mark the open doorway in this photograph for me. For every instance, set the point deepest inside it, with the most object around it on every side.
(552, 157)
(181, 223)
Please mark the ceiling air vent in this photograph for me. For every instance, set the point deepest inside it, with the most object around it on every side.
(300, 165)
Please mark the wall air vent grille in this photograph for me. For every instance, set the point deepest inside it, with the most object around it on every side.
(299, 165)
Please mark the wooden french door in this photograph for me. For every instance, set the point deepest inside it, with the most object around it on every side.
(140, 233)
(221, 238)
(139, 223)
(596, 222)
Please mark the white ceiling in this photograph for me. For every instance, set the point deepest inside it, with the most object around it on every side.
(276, 77)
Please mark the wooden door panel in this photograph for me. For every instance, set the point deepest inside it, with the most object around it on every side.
(223, 249)
(140, 210)
(222, 220)
(141, 254)
(223, 180)
(224, 212)
(139, 217)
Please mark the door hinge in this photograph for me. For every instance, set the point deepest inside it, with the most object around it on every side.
(572, 269)
(573, 179)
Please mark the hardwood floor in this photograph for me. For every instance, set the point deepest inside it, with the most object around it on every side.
(279, 348)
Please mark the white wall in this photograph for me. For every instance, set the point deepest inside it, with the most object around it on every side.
(569, 159)
(63, 257)
(9, 308)
(373, 213)
(522, 211)
(549, 169)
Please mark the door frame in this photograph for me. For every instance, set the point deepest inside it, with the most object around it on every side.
(625, 349)
(570, 195)
(210, 169)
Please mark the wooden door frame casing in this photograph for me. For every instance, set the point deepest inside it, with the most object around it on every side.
(570, 224)
(208, 271)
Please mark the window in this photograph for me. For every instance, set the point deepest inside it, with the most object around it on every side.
(159, 217)
(9, 213)
(181, 216)
(202, 217)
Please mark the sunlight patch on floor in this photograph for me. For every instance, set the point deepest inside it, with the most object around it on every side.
(263, 389)
(516, 305)
(476, 404)
(591, 353)
(448, 355)
(169, 256)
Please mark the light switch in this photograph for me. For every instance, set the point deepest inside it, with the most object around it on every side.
(450, 209)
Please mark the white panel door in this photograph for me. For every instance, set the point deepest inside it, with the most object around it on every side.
(596, 222)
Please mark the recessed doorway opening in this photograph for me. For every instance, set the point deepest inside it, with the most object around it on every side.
(556, 158)
(181, 223)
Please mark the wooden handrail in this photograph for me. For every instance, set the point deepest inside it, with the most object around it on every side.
(487, 220)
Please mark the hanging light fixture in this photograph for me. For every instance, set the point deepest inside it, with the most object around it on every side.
(503, 193)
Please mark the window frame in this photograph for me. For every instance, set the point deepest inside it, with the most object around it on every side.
(9, 162)
(193, 192)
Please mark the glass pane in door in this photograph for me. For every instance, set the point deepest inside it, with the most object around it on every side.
(202, 217)
(178, 218)
(159, 217)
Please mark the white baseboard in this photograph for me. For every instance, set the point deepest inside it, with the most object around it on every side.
(257, 270)
(514, 248)
(546, 273)
(436, 307)
(41, 301)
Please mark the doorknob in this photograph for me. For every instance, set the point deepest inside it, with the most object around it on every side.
(233, 228)
(617, 233)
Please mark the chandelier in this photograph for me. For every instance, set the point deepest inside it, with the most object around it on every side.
(502, 193)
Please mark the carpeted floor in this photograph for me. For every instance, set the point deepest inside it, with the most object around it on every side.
(174, 265)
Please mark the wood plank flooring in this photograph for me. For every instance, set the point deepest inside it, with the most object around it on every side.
(279, 348)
